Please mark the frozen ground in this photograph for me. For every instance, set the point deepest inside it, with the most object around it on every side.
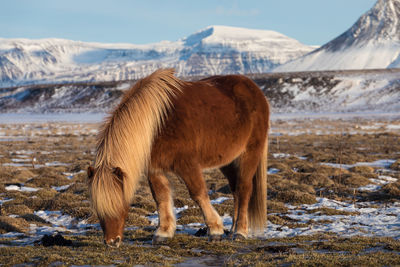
(11, 118)
(18, 118)
(326, 176)
(381, 220)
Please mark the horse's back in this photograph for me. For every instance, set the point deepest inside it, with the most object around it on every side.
(212, 121)
(241, 89)
(242, 103)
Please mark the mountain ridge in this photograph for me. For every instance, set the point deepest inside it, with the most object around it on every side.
(372, 42)
(213, 50)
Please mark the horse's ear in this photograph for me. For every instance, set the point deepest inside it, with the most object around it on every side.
(90, 172)
(119, 173)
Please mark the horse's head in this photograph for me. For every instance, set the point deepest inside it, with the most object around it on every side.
(112, 223)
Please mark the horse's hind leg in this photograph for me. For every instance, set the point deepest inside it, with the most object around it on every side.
(193, 178)
(231, 173)
(161, 191)
(248, 163)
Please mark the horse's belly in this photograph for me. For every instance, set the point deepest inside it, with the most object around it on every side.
(223, 147)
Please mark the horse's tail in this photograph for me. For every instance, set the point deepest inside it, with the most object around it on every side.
(125, 141)
(257, 211)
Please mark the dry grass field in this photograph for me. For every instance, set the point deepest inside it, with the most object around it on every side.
(333, 199)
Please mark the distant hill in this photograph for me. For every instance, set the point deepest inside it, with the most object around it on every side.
(323, 91)
(213, 50)
(373, 42)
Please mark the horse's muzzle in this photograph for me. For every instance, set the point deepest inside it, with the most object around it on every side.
(113, 243)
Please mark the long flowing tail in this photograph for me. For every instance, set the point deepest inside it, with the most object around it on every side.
(257, 211)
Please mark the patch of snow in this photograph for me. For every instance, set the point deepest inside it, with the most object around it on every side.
(383, 163)
(280, 155)
(369, 188)
(387, 178)
(334, 115)
(56, 163)
(381, 221)
(219, 200)
(370, 127)
(61, 188)
(60, 223)
(17, 118)
(382, 180)
(5, 200)
(24, 152)
(71, 175)
(21, 188)
(21, 160)
(273, 171)
(124, 86)
(18, 164)
(393, 126)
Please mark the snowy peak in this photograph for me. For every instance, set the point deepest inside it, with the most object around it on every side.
(379, 25)
(237, 37)
(373, 42)
(227, 33)
(383, 20)
(199, 36)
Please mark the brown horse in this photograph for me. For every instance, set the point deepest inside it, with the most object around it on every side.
(165, 125)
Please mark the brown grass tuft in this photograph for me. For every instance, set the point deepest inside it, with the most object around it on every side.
(180, 202)
(392, 189)
(9, 224)
(362, 169)
(18, 209)
(46, 181)
(135, 219)
(295, 197)
(330, 212)
(12, 175)
(46, 193)
(275, 219)
(191, 212)
(276, 207)
(396, 165)
(190, 219)
(351, 179)
(317, 180)
(145, 203)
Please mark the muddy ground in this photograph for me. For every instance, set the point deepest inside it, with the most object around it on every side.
(43, 193)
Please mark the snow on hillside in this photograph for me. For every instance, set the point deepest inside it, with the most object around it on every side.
(213, 50)
(373, 42)
(346, 91)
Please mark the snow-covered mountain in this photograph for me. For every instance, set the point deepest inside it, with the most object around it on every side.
(213, 50)
(373, 42)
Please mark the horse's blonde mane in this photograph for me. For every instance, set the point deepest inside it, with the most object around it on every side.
(126, 138)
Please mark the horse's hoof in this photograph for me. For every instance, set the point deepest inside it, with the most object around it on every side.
(159, 240)
(238, 236)
(229, 235)
(214, 238)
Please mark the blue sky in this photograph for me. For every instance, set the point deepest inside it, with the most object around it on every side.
(312, 22)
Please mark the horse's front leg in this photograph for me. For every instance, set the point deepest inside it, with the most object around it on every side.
(161, 191)
(192, 176)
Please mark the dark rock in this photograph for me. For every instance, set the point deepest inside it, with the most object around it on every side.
(57, 240)
(201, 232)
